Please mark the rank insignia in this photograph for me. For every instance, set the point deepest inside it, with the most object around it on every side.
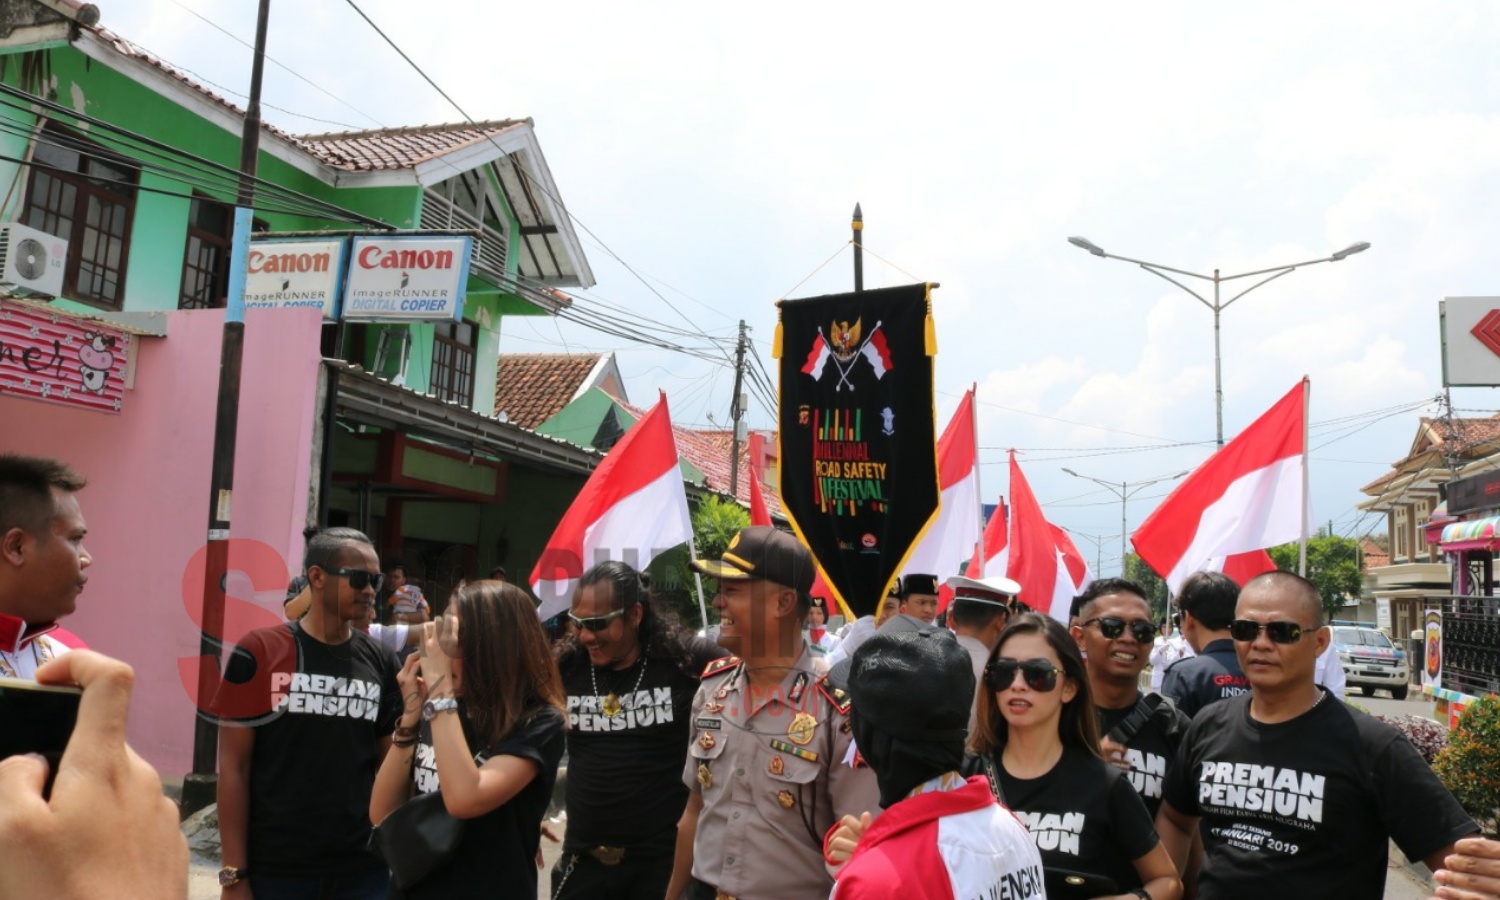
(705, 777)
(802, 729)
(722, 664)
(707, 741)
(711, 722)
(712, 707)
(786, 799)
(777, 766)
(794, 750)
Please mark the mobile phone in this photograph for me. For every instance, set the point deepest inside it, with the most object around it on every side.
(37, 718)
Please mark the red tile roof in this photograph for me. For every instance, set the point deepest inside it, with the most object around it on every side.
(531, 388)
(1374, 556)
(400, 148)
(1467, 439)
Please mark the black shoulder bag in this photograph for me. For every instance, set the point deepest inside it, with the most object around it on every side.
(419, 836)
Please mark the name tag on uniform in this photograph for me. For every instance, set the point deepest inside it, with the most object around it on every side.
(711, 722)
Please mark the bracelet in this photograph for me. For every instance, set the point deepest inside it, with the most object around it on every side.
(402, 733)
(404, 742)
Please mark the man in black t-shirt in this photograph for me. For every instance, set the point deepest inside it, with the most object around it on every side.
(1296, 795)
(1114, 633)
(630, 680)
(1207, 602)
(306, 712)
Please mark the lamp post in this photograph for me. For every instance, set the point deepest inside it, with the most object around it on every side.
(1125, 490)
(1216, 305)
(1098, 541)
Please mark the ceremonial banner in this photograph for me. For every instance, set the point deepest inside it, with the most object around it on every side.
(858, 438)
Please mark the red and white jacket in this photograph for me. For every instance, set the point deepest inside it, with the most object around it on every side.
(944, 845)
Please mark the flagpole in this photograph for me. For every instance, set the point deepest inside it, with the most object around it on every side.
(698, 578)
(1306, 512)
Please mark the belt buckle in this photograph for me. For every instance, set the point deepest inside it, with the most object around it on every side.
(609, 856)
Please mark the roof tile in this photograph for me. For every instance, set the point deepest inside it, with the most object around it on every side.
(531, 388)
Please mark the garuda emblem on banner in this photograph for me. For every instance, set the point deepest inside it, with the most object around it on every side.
(857, 433)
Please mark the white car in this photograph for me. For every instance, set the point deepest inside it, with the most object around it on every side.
(1371, 661)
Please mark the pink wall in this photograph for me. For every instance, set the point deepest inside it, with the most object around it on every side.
(147, 500)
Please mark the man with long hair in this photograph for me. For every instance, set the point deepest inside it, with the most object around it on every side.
(630, 674)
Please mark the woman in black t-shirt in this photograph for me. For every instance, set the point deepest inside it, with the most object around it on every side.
(1039, 734)
(483, 724)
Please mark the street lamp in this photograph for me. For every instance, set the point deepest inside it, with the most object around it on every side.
(1124, 490)
(1098, 541)
(1271, 274)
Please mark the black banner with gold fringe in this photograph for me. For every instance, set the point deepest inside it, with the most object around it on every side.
(857, 431)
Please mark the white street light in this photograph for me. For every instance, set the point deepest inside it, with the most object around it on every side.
(1271, 274)
(1125, 490)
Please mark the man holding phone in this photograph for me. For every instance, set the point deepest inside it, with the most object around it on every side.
(42, 559)
(306, 712)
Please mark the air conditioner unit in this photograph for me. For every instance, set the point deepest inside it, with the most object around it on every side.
(31, 261)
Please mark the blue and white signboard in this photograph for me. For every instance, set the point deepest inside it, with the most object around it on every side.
(407, 278)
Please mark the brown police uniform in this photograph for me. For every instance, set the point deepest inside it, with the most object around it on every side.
(773, 779)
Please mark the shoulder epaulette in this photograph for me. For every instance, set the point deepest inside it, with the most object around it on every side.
(836, 695)
(719, 666)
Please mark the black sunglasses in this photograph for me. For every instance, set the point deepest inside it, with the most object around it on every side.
(1112, 627)
(1246, 630)
(359, 579)
(596, 623)
(1039, 674)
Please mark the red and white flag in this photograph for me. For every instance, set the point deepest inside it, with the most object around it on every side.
(1248, 496)
(879, 355)
(1241, 567)
(1035, 563)
(759, 514)
(1073, 573)
(632, 508)
(817, 358)
(952, 537)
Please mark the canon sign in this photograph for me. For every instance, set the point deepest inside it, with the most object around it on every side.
(285, 274)
(407, 278)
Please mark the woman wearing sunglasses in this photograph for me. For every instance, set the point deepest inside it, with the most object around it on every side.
(483, 723)
(1038, 737)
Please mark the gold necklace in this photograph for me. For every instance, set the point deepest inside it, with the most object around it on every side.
(612, 706)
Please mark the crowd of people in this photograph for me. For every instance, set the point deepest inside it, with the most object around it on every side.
(1003, 754)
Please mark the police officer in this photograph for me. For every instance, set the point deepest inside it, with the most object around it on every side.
(770, 765)
(1207, 601)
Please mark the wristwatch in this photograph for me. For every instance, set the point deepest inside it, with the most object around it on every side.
(229, 876)
(431, 708)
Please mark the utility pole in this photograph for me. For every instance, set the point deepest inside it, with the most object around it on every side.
(200, 786)
(858, 226)
(736, 412)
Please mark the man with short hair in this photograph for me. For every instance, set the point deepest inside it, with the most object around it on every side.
(919, 597)
(770, 763)
(977, 614)
(407, 603)
(1207, 602)
(306, 710)
(1141, 734)
(1295, 795)
(42, 559)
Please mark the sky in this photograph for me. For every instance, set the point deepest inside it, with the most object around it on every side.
(711, 156)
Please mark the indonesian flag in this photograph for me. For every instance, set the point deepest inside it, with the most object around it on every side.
(632, 508)
(951, 538)
(1242, 567)
(1248, 496)
(759, 515)
(1073, 573)
(1034, 559)
(993, 555)
(879, 355)
(817, 358)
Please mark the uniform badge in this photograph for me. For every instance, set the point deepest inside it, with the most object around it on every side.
(710, 722)
(845, 727)
(786, 799)
(712, 707)
(794, 750)
(705, 777)
(777, 766)
(706, 740)
(721, 693)
(802, 729)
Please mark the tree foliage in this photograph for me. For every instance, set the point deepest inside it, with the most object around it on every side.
(1332, 565)
(1138, 571)
(715, 523)
(1470, 765)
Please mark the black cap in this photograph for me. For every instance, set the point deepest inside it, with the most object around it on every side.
(918, 584)
(914, 685)
(763, 552)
